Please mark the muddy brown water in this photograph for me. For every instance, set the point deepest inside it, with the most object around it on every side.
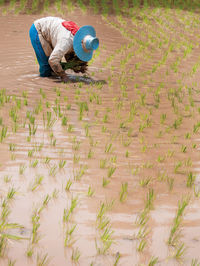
(137, 153)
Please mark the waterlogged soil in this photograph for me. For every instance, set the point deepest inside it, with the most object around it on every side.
(139, 118)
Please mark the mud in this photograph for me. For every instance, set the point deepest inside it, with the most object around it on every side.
(142, 147)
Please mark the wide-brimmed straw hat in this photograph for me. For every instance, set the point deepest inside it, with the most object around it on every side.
(85, 42)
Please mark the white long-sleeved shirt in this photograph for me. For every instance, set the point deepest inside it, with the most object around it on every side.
(55, 39)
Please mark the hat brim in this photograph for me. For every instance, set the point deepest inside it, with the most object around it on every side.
(77, 43)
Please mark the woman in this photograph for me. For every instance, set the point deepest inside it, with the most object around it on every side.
(52, 38)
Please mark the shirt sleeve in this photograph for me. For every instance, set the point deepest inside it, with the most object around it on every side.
(62, 47)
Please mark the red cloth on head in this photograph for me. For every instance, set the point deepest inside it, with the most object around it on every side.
(71, 26)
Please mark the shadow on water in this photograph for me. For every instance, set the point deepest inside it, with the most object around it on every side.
(83, 79)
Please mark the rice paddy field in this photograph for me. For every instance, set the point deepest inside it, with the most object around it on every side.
(104, 172)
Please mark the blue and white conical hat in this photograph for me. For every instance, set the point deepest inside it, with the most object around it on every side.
(85, 42)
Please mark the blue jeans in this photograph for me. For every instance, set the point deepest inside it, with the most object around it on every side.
(45, 69)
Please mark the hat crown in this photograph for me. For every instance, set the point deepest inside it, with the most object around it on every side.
(90, 42)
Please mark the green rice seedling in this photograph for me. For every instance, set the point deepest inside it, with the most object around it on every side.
(79, 173)
(53, 170)
(187, 135)
(196, 192)
(101, 212)
(68, 185)
(177, 167)
(50, 121)
(90, 154)
(103, 223)
(76, 158)
(47, 160)
(195, 262)
(37, 182)
(69, 241)
(7, 178)
(194, 145)
(183, 148)
(103, 163)
(163, 118)
(143, 232)
(149, 199)
(76, 144)
(29, 251)
(141, 245)
(64, 120)
(190, 179)
(123, 193)
(55, 193)
(180, 252)
(105, 182)
(161, 159)
(82, 107)
(153, 261)
(196, 127)
(108, 148)
(111, 171)
(188, 162)
(11, 193)
(170, 182)
(104, 129)
(42, 260)
(90, 192)
(145, 181)
(12, 147)
(70, 128)
(3, 133)
(117, 257)
(22, 168)
(34, 163)
(62, 164)
(75, 253)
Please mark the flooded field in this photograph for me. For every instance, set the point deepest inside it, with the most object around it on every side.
(107, 172)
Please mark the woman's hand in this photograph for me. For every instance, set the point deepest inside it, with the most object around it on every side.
(65, 78)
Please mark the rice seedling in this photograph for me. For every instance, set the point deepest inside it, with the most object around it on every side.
(149, 199)
(42, 260)
(180, 252)
(37, 182)
(123, 193)
(53, 170)
(90, 154)
(153, 261)
(90, 192)
(22, 168)
(34, 163)
(76, 158)
(68, 185)
(62, 164)
(108, 148)
(105, 182)
(7, 178)
(69, 240)
(170, 182)
(70, 128)
(79, 172)
(175, 232)
(145, 181)
(75, 255)
(141, 245)
(111, 171)
(190, 179)
(195, 262)
(3, 133)
(117, 258)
